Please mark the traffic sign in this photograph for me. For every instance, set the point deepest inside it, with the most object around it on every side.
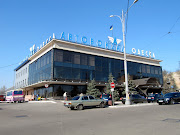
(46, 85)
(112, 85)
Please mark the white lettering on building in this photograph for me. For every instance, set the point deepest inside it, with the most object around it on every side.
(143, 53)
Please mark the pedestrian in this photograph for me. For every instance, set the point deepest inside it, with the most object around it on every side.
(32, 95)
(65, 95)
(37, 97)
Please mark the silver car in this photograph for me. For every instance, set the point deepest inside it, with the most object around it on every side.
(79, 102)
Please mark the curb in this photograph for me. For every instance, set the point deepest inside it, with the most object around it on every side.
(3, 101)
(134, 105)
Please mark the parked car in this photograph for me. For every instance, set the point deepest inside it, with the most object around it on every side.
(154, 97)
(79, 102)
(106, 97)
(135, 98)
(2, 97)
(169, 98)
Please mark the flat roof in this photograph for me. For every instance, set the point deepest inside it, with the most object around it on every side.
(92, 50)
(21, 65)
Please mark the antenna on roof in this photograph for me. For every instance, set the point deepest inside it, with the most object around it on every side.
(50, 38)
(53, 36)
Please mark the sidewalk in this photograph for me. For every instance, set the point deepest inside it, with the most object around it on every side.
(43, 101)
(119, 104)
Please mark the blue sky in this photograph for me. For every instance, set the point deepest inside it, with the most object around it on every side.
(24, 23)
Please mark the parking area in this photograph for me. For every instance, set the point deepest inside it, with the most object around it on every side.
(48, 118)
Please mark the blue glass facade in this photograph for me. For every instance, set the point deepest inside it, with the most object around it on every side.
(40, 69)
(63, 65)
(84, 67)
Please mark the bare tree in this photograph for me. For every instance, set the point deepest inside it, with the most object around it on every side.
(169, 84)
(178, 72)
(3, 90)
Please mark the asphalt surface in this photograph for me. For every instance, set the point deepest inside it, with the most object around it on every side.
(49, 118)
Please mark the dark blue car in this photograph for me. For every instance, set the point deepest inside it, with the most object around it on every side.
(106, 97)
(154, 97)
(169, 98)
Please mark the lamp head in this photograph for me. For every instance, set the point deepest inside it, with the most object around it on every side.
(135, 1)
(111, 16)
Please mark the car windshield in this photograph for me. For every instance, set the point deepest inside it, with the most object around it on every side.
(151, 95)
(9, 93)
(169, 95)
(105, 96)
(157, 95)
(136, 96)
(76, 98)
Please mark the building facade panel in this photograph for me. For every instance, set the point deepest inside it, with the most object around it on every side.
(67, 66)
(21, 75)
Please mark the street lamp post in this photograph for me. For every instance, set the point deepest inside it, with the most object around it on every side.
(122, 18)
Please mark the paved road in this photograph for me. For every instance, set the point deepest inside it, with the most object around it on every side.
(55, 119)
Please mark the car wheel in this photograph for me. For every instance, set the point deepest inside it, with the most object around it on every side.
(172, 101)
(72, 108)
(160, 103)
(102, 105)
(149, 101)
(80, 107)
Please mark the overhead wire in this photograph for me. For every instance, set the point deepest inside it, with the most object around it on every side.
(9, 65)
(170, 31)
(174, 24)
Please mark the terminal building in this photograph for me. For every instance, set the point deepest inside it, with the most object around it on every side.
(64, 65)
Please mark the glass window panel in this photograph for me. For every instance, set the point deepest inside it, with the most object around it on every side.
(67, 57)
(91, 61)
(91, 98)
(76, 73)
(48, 58)
(84, 74)
(44, 60)
(42, 64)
(148, 69)
(98, 63)
(67, 72)
(84, 59)
(156, 70)
(160, 71)
(76, 58)
(143, 69)
(85, 97)
(139, 68)
(152, 69)
(104, 62)
(58, 55)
